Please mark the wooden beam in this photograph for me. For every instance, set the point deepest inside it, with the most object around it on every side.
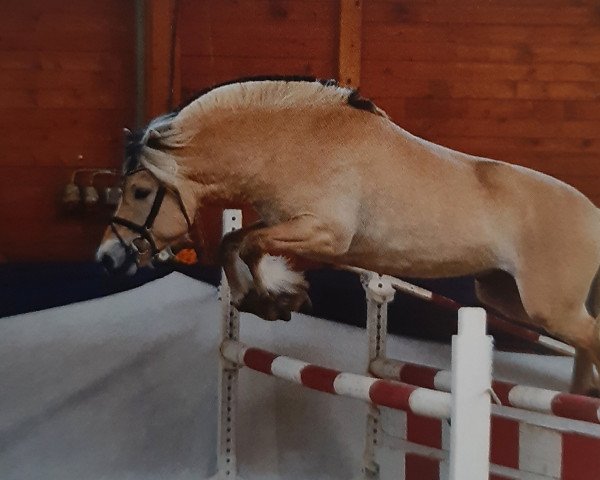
(160, 18)
(350, 42)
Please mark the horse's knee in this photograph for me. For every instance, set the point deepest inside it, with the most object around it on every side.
(251, 249)
(231, 242)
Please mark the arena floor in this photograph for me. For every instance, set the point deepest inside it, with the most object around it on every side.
(124, 388)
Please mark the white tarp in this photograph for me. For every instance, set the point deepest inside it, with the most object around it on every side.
(124, 387)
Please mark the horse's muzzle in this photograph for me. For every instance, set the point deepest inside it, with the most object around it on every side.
(116, 259)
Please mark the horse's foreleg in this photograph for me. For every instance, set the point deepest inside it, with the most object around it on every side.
(304, 236)
(238, 276)
(286, 288)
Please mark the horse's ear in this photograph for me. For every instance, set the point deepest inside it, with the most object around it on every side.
(127, 133)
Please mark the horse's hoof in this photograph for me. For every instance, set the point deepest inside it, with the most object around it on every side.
(270, 307)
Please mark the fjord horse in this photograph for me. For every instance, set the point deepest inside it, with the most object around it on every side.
(336, 181)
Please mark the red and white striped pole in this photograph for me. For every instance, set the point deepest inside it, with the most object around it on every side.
(386, 393)
(495, 322)
(550, 402)
(376, 392)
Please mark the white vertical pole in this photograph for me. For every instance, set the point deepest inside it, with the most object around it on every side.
(471, 408)
(379, 292)
(228, 372)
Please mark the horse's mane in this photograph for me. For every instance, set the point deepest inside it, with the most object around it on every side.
(175, 129)
(285, 91)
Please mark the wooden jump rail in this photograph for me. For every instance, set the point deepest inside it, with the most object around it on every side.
(495, 322)
(550, 402)
(385, 393)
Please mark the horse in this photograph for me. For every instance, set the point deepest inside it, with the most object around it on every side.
(336, 181)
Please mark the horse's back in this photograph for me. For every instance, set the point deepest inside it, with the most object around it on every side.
(442, 212)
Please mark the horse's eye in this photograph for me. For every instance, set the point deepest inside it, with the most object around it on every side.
(141, 193)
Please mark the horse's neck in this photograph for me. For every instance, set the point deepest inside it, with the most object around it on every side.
(222, 181)
(228, 158)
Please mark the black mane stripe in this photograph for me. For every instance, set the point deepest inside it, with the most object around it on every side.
(357, 101)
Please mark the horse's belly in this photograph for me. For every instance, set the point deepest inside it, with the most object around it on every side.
(422, 264)
(425, 249)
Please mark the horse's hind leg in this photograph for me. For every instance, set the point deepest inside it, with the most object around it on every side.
(498, 290)
(583, 379)
(583, 367)
(558, 303)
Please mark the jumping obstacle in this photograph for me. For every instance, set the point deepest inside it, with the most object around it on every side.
(468, 408)
(536, 434)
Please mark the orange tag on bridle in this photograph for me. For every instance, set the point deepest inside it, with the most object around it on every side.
(187, 256)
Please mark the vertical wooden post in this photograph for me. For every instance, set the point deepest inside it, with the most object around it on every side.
(471, 407)
(228, 372)
(160, 21)
(379, 293)
(350, 43)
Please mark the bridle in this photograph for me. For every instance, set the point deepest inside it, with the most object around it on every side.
(144, 246)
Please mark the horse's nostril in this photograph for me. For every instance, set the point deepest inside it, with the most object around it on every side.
(108, 262)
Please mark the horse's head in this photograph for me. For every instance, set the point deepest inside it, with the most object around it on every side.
(151, 216)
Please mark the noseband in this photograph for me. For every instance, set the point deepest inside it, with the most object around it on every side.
(145, 245)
